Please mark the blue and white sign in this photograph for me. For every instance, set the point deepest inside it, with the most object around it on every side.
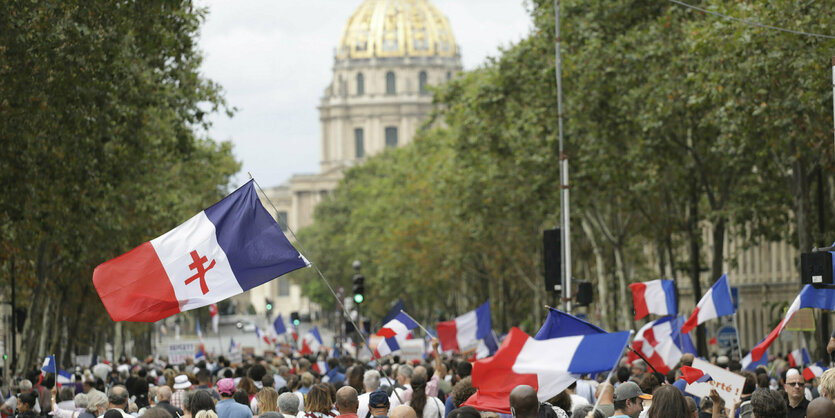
(726, 337)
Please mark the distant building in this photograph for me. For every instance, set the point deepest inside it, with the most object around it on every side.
(389, 53)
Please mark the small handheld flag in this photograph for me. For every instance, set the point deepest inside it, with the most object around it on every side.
(692, 375)
(715, 303)
(48, 365)
(654, 297)
(463, 332)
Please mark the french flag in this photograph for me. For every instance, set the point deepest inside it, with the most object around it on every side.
(48, 365)
(63, 378)
(809, 297)
(662, 343)
(311, 342)
(227, 249)
(813, 371)
(463, 332)
(549, 366)
(799, 358)
(261, 335)
(321, 366)
(749, 364)
(393, 332)
(654, 297)
(279, 326)
(692, 375)
(560, 324)
(715, 303)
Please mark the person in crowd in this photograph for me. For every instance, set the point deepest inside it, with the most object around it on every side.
(748, 388)
(318, 403)
(460, 393)
(404, 378)
(402, 411)
(795, 390)
(204, 381)
(424, 406)
(605, 394)
(156, 412)
(26, 405)
(227, 407)
(583, 412)
(462, 371)
(206, 413)
(639, 369)
(256, 373)
(465, 412)
(96, 403)
(77, 408)
(248, 385)
(560, 404)
(523, 402)
(820, 408)
(117, 399)
(25, 386)
(692, 407)
(181, 384)
(378, 404)
(767, 403)
(164, 401)
(827, 384)
(334, 376)
(370, 382)
(140, 393)
(240, 396)
(307, 381)
(347, 402)
(288, 405)
(668, 402)
(64, 399)
(629, 400)
(266, 400)
(200, 400)
(576, 400)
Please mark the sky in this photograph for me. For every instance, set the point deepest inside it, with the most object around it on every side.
(274, 60)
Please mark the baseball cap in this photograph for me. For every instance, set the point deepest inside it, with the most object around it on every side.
(226, 386)
(629, 390)
(378, 399)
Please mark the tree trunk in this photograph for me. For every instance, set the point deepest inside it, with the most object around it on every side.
(802, 201)
(718, 250)
(694, 237)
(624, 314)
(600, 274)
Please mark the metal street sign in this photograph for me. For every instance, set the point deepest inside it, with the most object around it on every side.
(726, 337)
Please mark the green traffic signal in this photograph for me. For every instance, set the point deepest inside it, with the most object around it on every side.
(358, 298)
(296, 322)
(269, 307)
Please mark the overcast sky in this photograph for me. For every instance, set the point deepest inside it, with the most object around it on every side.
(274, 60)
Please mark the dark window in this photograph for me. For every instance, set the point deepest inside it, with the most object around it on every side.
(359, 144)
(360, 84)
(390, 87)
(391, 136)
(422, 82)
(283, 286)
(448, 75)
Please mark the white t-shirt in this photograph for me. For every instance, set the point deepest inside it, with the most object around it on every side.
(362, 410)
(434, 408)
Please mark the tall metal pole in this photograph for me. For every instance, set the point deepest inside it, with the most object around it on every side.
(833, 91)
(564, 206)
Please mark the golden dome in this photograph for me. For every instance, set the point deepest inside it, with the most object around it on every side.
(396, 28)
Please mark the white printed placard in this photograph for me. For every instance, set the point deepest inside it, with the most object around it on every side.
(728, 384)
(412, 349)
(179, 352)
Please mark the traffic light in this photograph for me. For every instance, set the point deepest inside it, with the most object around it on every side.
(359, 288)
(294, 318)
(269, 304)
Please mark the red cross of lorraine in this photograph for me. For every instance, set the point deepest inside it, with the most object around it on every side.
(201, 271)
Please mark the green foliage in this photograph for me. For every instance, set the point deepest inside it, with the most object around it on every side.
(102, 132)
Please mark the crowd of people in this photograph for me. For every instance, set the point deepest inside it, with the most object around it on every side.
(294, 386)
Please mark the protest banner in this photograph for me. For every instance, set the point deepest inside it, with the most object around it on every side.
(179, 352)
(412, 350)
(728, 384)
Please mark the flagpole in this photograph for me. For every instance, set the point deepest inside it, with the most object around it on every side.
(327, 283)
(418, 323)
(736, 325)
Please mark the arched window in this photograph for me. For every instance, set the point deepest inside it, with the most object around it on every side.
(359, 143)
(390, 86)
(360, 84)
(391, 136)
(422, 82)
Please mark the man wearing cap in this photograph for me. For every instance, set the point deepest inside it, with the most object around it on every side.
(181, 383)
(378, 404)
(629, 400)
(795, 389)
(226, 407)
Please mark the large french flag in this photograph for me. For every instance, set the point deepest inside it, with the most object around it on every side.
(463, 332)
(560, 324)
(394, 332)
(799, 358)
(654, 297)
(661, 343)
(716, 302)
(311, 341)
(749, 364)
(549, 366)
(225, 250)
(809, 297)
